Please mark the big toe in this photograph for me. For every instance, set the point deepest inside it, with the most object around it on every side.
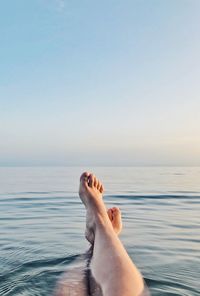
(116, 213)
(84, 178)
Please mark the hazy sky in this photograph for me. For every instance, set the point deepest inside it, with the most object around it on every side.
(100, 82)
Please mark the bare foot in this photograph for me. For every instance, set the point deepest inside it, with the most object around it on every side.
(90, 192)
(114, 215)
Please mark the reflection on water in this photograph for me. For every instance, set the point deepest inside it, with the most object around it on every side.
(42, 226)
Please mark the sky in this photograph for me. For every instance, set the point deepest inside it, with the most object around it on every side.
(100, 82)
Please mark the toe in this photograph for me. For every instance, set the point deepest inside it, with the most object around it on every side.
(101, 189)
(98, 185)
(95, 182)
(85, 174)
(91, 180)
(84, 178)
(116, 211)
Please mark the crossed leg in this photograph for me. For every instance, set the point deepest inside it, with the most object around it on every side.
(114, 215)
(110, 265)
(75, 280)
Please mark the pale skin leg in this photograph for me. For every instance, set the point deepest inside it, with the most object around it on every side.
(74, 281)
(111, 266)
(114, 215)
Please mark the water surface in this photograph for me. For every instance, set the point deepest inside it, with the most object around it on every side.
(42, 226)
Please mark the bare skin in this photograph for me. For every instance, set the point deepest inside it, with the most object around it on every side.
(114, 215)
(111, 266)
(74, 281)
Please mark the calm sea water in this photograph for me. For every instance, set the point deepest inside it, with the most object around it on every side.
(42, 226)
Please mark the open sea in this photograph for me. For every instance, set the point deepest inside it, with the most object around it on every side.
(42, 225)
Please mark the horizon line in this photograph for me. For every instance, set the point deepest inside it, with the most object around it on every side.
(97, 165)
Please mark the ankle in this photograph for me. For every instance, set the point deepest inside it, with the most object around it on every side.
(102, 221)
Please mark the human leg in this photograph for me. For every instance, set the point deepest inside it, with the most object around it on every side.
(73, 281)
(79, 281)
(111, 266)
(114, 215)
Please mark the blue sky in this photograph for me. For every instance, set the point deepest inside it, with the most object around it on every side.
(99, 82)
